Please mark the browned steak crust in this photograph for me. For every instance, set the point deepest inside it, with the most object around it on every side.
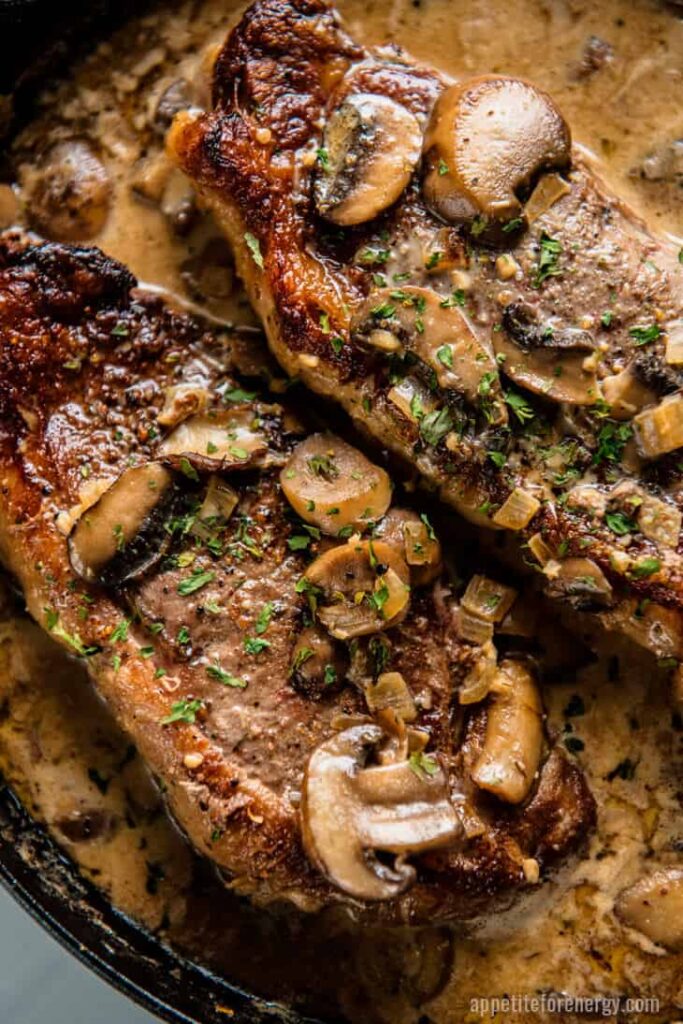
(253, 159)
(85, 362)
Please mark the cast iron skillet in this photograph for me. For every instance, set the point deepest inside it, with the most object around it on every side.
(37, 38)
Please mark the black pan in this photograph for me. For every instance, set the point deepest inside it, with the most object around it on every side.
(37, 38)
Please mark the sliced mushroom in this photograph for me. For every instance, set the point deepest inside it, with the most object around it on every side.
(319, 665)
(654, 906)
(180, 402)
(580, 583)
(486, 141)
(371, 146)
(364, 587)
(557, 363)
(231, 438)
(413, 536)
(69, 195)
(514, 734)
(438, 333)
(333, 486)
(121, 536)
(348, 812)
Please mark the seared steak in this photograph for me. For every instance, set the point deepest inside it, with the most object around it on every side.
(299, 684)
(436, 257)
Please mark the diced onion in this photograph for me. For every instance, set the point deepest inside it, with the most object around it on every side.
(518, 511)
(391, 691)
(472, 627)
(660, 430)
(674, 343)
(488, 599)
(480, 679)
(540, 550)
(550, 188)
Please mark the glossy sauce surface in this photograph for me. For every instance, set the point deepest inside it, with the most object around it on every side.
(615, 69)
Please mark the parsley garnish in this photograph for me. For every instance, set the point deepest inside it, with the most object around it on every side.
(548, 259)
(520, 407)
(323, 158)
(225, 678)
(255, 644)
(195, 582)
(238, 395)
(423, 765)
(611, 442)
(619, 523)
(445, 356)
(644, 335)
(435, 425)
(645, 567)
(254, 247)
(265, 615)
(183, 711)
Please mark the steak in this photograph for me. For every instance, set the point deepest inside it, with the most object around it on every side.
(323, 707)
(436, 257)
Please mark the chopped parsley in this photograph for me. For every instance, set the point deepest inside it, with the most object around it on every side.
(520, 407)
(301, 657)
(612, 440)
(434, 259)
(442, 168)
(323, 158)
(445, 356)
(548, 260)
(255, 644)
(435, 425)
(645, 335)
(254, 248)
(512, 225)
(195, 582)
(497, 458)
(120, 632)
(456, 298)
(265, 615)
(337, 344)
(423, 765)
(323, 466)
(72, 639)
(645, 567)
(620, 524)
(606, 318)
(183, 711)
(298, 543)
(238, 395)
(428, 526)
(225, 678)
(330, 675)
(188, 470)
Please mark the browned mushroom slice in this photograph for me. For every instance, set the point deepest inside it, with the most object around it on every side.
(417, 542)
(422, 321)
(514, 734)
(487, 139)
(654, 906)
(364, 588)
(579, 582)
(231, 438)
(333, 486)
(348, 812)
(319, 664)
(556, 363)
(121, 536)
(68, 197)
(371, 146)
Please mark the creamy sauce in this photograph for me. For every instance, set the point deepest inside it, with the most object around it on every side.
(615, 69)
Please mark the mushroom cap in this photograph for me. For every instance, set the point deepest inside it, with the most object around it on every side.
(487, 139)
(349, 811)
(372, 145)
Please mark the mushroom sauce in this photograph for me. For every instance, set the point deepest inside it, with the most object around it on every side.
(615, 69)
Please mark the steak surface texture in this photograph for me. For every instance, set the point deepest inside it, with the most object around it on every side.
(143, 515)
(473, 297)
